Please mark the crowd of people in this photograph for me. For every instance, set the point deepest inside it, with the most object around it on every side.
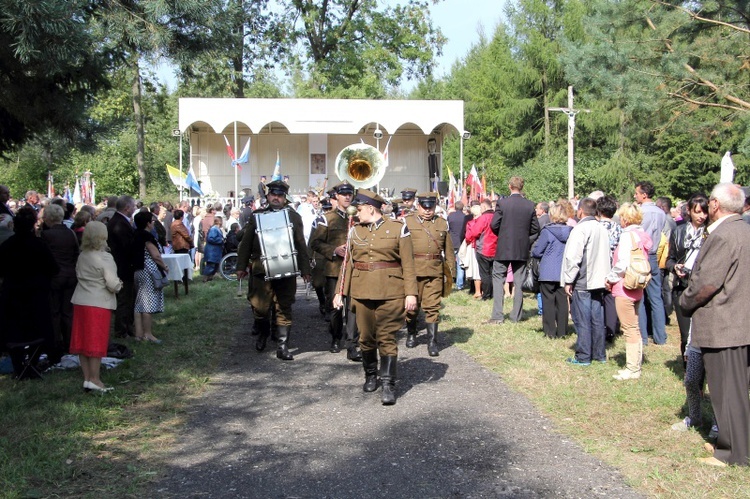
(68, 269)
(608, 268)
(613, 269)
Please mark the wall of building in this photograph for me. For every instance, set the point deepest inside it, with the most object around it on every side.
(408, 157)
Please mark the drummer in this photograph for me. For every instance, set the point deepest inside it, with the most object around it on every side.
(278, 293)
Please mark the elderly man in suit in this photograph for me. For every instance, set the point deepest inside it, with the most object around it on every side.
(716, 298)
(516, 226)
(120, 233)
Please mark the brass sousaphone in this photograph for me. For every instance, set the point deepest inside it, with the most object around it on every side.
(361, 165)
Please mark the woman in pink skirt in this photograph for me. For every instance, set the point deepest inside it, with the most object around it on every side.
(93, 302)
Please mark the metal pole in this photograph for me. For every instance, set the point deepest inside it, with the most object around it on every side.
(236, 167)
(377, 146)
(181, 187)
(461, 161)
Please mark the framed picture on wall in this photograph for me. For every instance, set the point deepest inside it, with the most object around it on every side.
(317, 164)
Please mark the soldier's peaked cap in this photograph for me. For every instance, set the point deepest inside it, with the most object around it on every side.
(427, 199)
(408, 193)
(343, 188)
(278, 187)
(368, 197)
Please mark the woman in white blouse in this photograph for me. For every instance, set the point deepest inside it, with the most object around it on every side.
(93, 302)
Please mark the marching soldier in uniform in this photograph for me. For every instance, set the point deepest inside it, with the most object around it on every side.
(379, 278)
(279, 293)
(318, 270)
(407, 201)
(329, 240)
(432, 245)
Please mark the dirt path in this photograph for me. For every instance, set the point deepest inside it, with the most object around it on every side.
(304, 428)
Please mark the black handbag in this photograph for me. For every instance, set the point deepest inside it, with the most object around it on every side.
(531, 283)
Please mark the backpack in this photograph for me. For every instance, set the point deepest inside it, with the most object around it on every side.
(638, 273)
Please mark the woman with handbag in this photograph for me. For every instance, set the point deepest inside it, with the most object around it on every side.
(93, 301)
(149, 272)
(628, 299)
(549, 248)
(684, 245)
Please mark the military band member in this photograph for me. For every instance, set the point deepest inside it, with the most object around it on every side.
(318, 275)
(380, 280)
(407, 201)
(329, 240)
(431, 242)
(279, 293)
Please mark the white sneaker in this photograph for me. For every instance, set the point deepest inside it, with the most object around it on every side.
(683, 425)
(626, 374)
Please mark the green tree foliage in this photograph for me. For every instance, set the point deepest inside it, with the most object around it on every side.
(234, 53)
(49, 69)
(672, 76)
(352, 48)
(135, 31)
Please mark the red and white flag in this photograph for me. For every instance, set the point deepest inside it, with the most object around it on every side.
(229, 148)
(474, 184)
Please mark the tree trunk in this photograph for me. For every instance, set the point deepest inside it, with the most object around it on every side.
(139, 132)
(547, 126)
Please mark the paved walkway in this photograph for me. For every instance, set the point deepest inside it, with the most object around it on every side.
(269, 428)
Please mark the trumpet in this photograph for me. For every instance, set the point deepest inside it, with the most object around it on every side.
(361, 165)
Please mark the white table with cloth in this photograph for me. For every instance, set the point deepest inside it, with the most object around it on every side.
(180, 269)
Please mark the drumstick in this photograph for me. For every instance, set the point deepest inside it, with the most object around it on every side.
(239, 288)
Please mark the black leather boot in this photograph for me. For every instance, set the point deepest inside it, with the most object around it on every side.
(321, 300)
(388, 379)
(282, 350)
(335, 345)
(353, 354)
(352, 338)
(370, 364)
(432, 346)
(411, 333)
(262, 327)
(336, 328)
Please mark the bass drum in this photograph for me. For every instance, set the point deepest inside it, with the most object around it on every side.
(278, 255)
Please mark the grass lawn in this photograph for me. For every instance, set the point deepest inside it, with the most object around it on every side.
(624, 423)
(55, 440)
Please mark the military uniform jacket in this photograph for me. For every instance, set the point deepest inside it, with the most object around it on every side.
(382, 241)
(328, 234)
(249, 249)
(424, 245)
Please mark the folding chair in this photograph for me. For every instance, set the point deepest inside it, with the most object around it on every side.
(25, 356)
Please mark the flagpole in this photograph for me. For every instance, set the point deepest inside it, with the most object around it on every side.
(236, 167)
(461, 161)
(179, 187)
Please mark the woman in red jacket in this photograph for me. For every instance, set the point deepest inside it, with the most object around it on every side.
(484, 241)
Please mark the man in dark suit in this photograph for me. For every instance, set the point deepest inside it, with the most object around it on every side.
(716, 298)
(542, 214)
(457, 221)
(120, 237)
(516, 226)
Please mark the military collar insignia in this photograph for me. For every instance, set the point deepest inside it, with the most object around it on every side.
(376, 225)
